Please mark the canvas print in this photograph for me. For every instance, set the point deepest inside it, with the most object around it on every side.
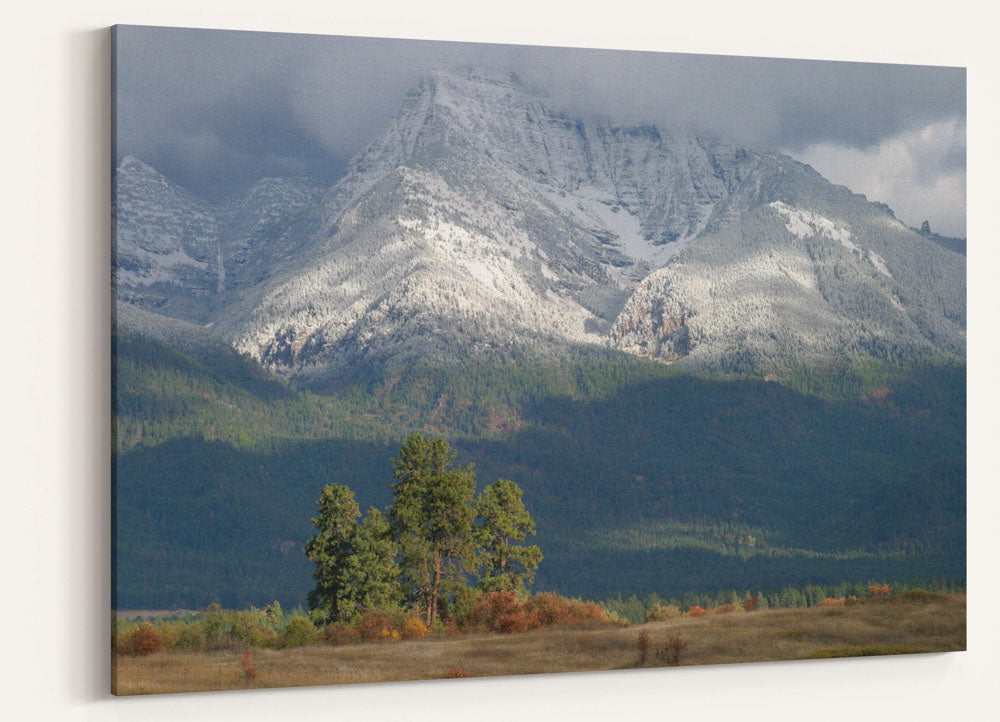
(437, 360)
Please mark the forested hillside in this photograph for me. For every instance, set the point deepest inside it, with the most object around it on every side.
(641, 478)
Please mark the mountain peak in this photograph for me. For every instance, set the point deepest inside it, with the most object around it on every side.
(131, 164)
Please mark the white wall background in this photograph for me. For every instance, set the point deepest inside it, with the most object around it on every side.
(55, 361)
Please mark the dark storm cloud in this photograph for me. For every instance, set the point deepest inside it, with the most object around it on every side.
(217, 110)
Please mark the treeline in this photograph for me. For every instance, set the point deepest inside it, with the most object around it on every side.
(639, 609)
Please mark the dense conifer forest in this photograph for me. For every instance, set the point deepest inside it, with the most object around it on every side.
(642, 479)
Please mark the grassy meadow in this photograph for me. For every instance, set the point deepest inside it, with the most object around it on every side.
(911, 622)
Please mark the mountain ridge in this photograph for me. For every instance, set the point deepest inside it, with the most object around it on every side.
(481, 223)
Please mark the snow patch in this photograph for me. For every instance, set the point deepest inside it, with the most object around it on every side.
(879, 263)
(802, 223)
(595, 210)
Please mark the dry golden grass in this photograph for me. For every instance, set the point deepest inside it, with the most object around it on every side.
(934, 624)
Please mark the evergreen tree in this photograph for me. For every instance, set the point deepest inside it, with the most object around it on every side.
(504, 523)
(431, 517)
(371, 572)
(331, 549)
(356, 565)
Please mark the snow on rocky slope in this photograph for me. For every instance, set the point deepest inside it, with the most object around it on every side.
(176, 254)
(786, 284)
(482, 223)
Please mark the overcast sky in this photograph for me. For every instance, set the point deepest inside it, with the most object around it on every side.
(217, 110)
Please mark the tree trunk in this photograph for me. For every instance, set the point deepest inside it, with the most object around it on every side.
(437, 583)
(429, 615)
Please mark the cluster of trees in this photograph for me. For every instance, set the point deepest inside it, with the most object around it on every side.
(637, 609)
(435, 537)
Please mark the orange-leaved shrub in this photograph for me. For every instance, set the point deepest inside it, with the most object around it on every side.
(697, 611)
(548, 609)
(832, 602)
(496, 612)
(140, 641)
(879, 590)
(502, 612)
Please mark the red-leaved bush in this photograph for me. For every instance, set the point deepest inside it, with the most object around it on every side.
(338, 633)
(501, 612)
(548, 609)
(246, 660)
(496, 612)
(697, 611)
(374, 625)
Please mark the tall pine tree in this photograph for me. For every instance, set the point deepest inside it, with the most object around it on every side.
(504, 523)
(431, 517)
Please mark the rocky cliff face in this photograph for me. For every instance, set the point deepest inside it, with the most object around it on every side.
(480, 223)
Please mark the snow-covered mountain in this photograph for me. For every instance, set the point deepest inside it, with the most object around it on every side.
(482, 223)
(816, 274)
(176, 254)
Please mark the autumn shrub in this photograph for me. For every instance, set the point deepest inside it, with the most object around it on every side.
(182, 635)
(697, 611)
(338, 633)
(876, 591)
(171, 632)
(487, 613)
(414, 628)
(670, 653)
(832, 602)
(550, 609)
(502, 612)
(213, 626)
(376, 624)
(727, 609)
(140, 641)
(852, 601)
(190, 637)
(250, 627)
(298, 632)
(546, 609)
(615, 618)
(515, 621)
(642, 643)
(249, 670)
